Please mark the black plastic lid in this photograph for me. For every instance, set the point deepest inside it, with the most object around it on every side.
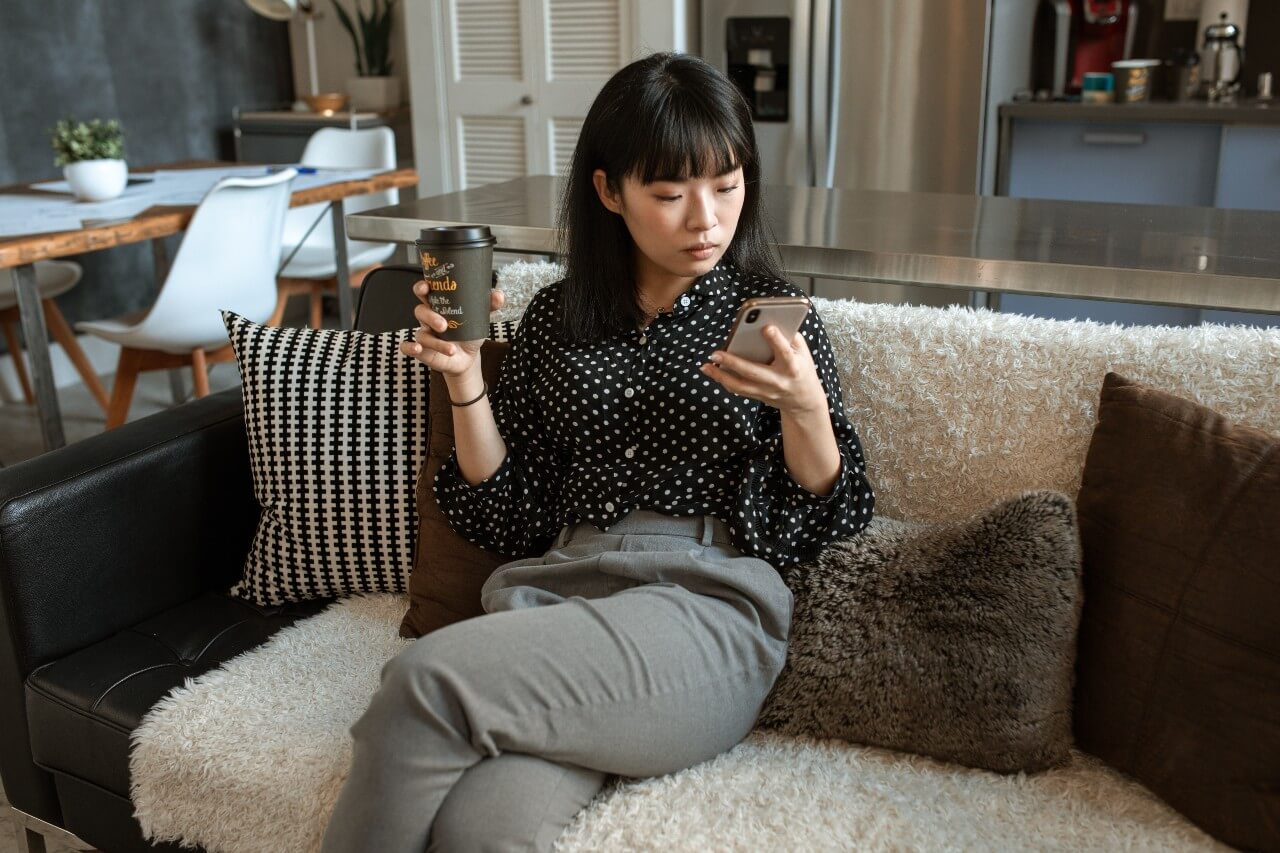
(447, 235)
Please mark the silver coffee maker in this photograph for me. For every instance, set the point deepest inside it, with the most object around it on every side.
(1223, 59)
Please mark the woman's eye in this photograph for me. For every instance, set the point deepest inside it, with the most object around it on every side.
(667, 197)
(728, 189)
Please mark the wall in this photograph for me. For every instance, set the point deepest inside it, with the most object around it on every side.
(169, 71)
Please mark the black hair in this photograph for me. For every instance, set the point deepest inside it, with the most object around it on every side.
(665, 117)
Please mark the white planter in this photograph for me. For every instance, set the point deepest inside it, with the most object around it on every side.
(96, 180)
(376, 94)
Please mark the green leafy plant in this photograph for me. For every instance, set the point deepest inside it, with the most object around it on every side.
(372, 41)
(95, 139)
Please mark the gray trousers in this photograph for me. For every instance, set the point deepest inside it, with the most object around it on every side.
(637, 652)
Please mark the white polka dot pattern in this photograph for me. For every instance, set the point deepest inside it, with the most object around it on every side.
(593, 432)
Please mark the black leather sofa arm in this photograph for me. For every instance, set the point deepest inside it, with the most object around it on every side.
(104, 533)
(108, 531)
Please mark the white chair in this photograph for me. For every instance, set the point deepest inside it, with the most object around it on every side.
(313, 270)
(228, 259)
(53, 278)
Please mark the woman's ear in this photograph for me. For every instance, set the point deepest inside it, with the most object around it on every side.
(607, 197)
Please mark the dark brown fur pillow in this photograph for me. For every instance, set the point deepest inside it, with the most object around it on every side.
(951, 640)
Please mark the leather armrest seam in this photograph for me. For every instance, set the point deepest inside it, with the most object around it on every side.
(83, 781)
(73, 709)
(214, 639)
(134, 674)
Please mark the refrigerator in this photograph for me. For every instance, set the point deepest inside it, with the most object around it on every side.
(866, 94)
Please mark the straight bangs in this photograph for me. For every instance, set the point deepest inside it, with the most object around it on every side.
(687, 139)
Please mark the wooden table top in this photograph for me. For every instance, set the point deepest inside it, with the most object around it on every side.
(163, 220)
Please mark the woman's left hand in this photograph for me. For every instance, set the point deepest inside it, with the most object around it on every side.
(789, 383)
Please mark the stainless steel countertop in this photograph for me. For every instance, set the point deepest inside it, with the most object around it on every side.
(1195, 256)
(1242, 112)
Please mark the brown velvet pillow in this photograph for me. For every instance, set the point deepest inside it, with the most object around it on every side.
(1178, 667)
(448, 571)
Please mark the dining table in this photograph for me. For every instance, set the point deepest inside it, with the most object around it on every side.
(19, 252)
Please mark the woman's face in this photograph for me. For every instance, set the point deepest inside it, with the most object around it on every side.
(681, 228)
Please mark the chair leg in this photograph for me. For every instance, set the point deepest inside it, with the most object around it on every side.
(282, 299)
(19, 362)
(122, 388)
(317, 305)
(200, 373)
(62, 334)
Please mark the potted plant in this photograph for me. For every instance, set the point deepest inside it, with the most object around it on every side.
(374, 88)
(91, 154)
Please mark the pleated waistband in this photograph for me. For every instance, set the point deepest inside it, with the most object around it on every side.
(706, 529)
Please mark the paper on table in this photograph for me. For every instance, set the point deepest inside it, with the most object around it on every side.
(20, 225)
(27, 214)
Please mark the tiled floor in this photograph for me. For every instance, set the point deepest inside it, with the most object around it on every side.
(8, 843)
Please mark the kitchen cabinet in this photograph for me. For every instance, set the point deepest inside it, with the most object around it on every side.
(1249, 168)
(1135, 163)
(1194, 153)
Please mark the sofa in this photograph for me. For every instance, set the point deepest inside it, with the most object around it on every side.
(142, 708)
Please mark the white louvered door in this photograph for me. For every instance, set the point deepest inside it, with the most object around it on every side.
(488, 57)
(521, 77)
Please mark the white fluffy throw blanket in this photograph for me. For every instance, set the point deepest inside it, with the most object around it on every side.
(250, 757)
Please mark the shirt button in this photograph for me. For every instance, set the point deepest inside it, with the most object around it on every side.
(630, 452)
(684, 301)
(608, 506)
(629, 392)
(643, 340)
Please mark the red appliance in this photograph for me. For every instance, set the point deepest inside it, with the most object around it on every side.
(1075, 36)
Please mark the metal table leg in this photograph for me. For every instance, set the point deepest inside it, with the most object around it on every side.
(36, 338)
(988, 299)
(341, 267)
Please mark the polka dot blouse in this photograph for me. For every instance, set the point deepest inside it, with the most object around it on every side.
(594, 432)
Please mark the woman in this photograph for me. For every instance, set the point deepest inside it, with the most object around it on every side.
(647, 483)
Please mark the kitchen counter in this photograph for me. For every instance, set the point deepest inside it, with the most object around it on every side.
(1193, 256)
(1242, 112)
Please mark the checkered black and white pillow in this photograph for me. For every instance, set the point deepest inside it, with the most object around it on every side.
(337, 429)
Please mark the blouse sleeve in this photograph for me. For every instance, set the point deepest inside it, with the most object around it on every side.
(785, 522)
(513, 511)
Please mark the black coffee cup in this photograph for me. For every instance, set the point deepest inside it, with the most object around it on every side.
(457, 265)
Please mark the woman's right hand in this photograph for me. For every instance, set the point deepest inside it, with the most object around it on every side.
(452, 358)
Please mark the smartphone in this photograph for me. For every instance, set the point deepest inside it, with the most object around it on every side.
(746, 338)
